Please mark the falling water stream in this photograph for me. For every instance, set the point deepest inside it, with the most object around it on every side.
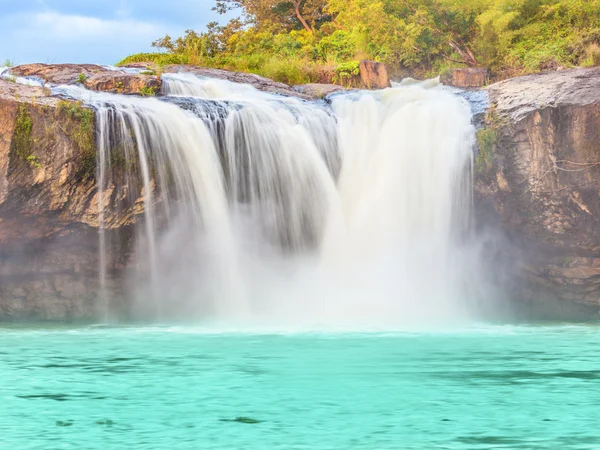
(260, 208)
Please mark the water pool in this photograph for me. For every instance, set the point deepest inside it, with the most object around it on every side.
(176, 388)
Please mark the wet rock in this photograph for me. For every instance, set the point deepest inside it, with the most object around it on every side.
(124, 83)
(318, 90)
(58, 73)
(374, 75)
(538, 178)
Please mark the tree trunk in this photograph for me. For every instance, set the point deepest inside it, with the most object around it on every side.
(465, 53)
(297, 4)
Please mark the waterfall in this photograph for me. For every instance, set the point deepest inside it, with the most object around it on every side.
(264, 209)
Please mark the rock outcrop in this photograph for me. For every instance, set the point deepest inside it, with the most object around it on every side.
(538, 176)
(124, 83)
(58, 73)
(93, 77)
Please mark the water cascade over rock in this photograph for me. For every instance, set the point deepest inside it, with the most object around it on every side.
(262, 209)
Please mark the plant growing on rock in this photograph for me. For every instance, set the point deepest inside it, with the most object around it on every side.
(82, 78)
(34, 161)
(148, 91)
(488, 139)
(80, 129)
(22, 140)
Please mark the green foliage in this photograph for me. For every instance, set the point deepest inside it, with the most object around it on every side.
(160, 59)
(148, 91)
(7, 63)
(81, 78)
(345, 73)
(413, 37)
(23, 140)
(34, 161)
(488, 139)
(80, 129)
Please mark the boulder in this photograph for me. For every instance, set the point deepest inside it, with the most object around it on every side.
(374, 75)
(538, 178)
(124, 83)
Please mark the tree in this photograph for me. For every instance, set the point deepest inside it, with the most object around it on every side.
(284, 14)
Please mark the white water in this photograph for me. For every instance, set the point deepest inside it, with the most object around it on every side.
(261, 209)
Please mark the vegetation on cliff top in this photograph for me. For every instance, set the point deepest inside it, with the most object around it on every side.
(299, 41)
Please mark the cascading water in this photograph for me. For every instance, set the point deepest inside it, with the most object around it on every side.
(265, 209)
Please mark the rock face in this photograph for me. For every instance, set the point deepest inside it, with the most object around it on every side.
(538, 176)
(58, 73)
(468, 78)
(374, 75)
(49, 208)
(124, 83)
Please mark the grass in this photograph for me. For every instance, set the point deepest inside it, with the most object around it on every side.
(161, 59)
(82, 78)
(290, 70)
(592, 56)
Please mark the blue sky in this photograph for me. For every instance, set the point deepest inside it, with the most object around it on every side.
(93, 31)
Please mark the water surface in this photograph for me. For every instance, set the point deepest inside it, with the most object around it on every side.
(497, 387)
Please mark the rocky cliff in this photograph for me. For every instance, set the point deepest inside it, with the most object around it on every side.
(538, 178)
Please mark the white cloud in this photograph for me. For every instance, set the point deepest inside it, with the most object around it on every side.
(50, 36)
(67, 26)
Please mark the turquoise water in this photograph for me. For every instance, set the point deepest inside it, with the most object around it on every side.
(497, 387)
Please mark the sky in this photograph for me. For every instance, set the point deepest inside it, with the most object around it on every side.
(93, 31)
